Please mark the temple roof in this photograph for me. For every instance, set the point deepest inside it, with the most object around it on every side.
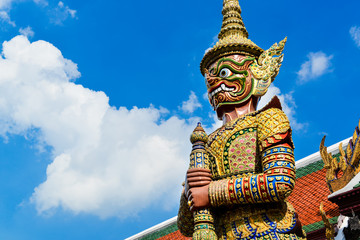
(310, 190)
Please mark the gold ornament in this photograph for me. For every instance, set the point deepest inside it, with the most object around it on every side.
(348, 162)
(330, 231)
(267, 67)
(203, 220)
(233, 39)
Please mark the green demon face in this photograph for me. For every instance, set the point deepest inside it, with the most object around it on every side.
(229, 80)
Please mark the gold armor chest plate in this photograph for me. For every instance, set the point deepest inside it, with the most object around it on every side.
(233, 148)
(240, 151)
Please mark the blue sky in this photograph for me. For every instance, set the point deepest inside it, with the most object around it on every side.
(97, 101)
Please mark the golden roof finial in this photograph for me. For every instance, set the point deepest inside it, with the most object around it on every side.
(233, 36)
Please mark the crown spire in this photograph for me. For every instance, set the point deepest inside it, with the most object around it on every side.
(232, 21)
(233, 36)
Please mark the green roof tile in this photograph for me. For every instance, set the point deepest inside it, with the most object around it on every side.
(312, 167)
(318, 225)
(162, 232)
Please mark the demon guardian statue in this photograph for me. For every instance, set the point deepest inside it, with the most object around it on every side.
(240, 175)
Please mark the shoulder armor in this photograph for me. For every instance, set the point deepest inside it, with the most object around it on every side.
(271, 122)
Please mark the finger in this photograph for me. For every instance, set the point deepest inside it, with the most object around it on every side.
(200, 174)
(198, 170)
(188, 193)
(199, 184)
(193, 207)
(198, 179)
(189, 196)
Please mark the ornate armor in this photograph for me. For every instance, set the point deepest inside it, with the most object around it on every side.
(253, 170)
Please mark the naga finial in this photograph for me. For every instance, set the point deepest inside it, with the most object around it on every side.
(348, 162)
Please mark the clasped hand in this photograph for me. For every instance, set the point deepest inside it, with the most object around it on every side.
(197, 188)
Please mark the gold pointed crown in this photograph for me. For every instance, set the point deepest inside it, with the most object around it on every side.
(233, 37)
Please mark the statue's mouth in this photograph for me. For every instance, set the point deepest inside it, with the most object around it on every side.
(221, 87)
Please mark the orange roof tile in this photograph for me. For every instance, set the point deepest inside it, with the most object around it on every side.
(174, 236)
(310, 190)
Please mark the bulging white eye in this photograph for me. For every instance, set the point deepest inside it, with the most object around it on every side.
(225, 72)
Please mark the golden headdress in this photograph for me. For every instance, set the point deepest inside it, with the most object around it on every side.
(233, 39)
(233, 36)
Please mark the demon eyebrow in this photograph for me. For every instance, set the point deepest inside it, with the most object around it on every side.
(232, 61)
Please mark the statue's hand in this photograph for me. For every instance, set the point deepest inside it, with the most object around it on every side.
(199, 197)
(197, 187)
(197, 177)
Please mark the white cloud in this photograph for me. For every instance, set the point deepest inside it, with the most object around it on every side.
(323, 133)
(318, 63)
(287, 103)
(214, 41)
(43, 3)
(5, 4)
(57, 14)
(106, 161)
(216, 123)
(4, 17)
(355, 34)
(27, 32)
(61, 13)
(208, 49)
(205, 96)
(191, 104)
(5, 7)
(67, 10)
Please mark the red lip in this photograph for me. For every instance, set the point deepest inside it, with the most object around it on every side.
(216, 86)
(231, 87)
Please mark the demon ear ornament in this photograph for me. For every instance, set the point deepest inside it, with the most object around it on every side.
(267, 67)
